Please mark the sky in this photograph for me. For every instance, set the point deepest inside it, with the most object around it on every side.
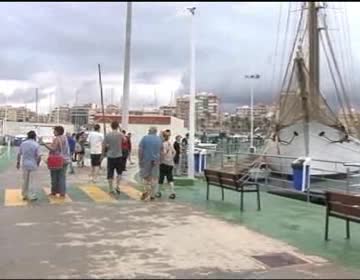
(56, 48)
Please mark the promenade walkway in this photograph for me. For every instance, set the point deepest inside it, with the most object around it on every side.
(91, 234)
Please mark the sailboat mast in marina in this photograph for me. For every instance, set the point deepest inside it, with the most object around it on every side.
(305, 125)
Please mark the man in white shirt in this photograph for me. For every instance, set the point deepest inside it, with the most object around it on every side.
(95, 140)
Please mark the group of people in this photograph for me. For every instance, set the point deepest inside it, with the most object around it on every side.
(30, 156)
(157, 158)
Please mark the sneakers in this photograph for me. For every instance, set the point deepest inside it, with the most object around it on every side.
(158, 195)
(145, 195)
(172, 196)
(31, 198)
(117, 189)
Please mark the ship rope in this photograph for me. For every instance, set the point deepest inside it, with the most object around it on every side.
(349, 47)
(283, 55)
(273, 86)
(291, 55)
(292, 52)
(338, 94)
(341, 81)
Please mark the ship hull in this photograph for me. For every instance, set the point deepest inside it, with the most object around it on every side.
(323, 151)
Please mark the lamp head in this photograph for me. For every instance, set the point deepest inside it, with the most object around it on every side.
(192, 10)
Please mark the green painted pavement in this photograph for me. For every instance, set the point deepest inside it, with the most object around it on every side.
(6, 162)
(296, 222)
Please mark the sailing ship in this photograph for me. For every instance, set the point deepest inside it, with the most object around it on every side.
(304, 124)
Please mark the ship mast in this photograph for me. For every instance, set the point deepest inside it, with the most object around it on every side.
(314, 70)
(310, 94)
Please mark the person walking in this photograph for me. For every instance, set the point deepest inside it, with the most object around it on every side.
(149, 161)
(59, 146)
(166, 165)
(29, 156)
(112, 145)
(95, 139)
(184, 154)
(125, 150)
(71, 143)
(177, 149)
(80, 148)
(130, 147)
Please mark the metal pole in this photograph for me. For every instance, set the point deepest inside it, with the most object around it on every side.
(126, 86)
(252, 77)
(112, 96)
(37, 104)
(8, 147)
(50, 109)
(192, 117)
(252, 115)
(6, 115)
(347, 180)
(58, 107)
(102, 99)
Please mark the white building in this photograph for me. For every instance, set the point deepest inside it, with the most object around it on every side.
(207, 110)
(140, 124)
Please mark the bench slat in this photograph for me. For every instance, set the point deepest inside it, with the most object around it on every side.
(211, 172)
(211, 179)
(344, 209)
(343, 198)
(229, 182)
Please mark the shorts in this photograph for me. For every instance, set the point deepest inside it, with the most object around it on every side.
(114, 164)
(166, 171)
(149, 169)
(95, 159)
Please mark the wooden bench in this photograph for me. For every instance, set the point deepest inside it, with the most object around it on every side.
(342, 206)
(231, 181)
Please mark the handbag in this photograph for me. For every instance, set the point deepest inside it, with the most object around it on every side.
(56, 160)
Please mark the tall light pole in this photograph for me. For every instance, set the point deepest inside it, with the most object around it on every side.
(6, 115)
(37, 104)
(126, 87)
(252, 77)
(192, 117)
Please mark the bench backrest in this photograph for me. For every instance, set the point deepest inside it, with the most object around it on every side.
(212, 176)
(229, 179)
(224, 178)
(342, 203)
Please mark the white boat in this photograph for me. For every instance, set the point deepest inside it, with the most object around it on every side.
(304, 124)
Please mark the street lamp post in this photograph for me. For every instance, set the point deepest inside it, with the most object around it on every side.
(192, 117)
(252, 77)
(126, 85)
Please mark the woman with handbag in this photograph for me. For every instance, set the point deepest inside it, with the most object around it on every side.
(58, 160)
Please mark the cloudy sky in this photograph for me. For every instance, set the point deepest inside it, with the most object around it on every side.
(56, 47)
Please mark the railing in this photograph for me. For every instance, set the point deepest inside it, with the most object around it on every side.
(330, 175)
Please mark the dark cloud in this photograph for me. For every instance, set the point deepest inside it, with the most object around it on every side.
(27, 95)
(70, 39)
